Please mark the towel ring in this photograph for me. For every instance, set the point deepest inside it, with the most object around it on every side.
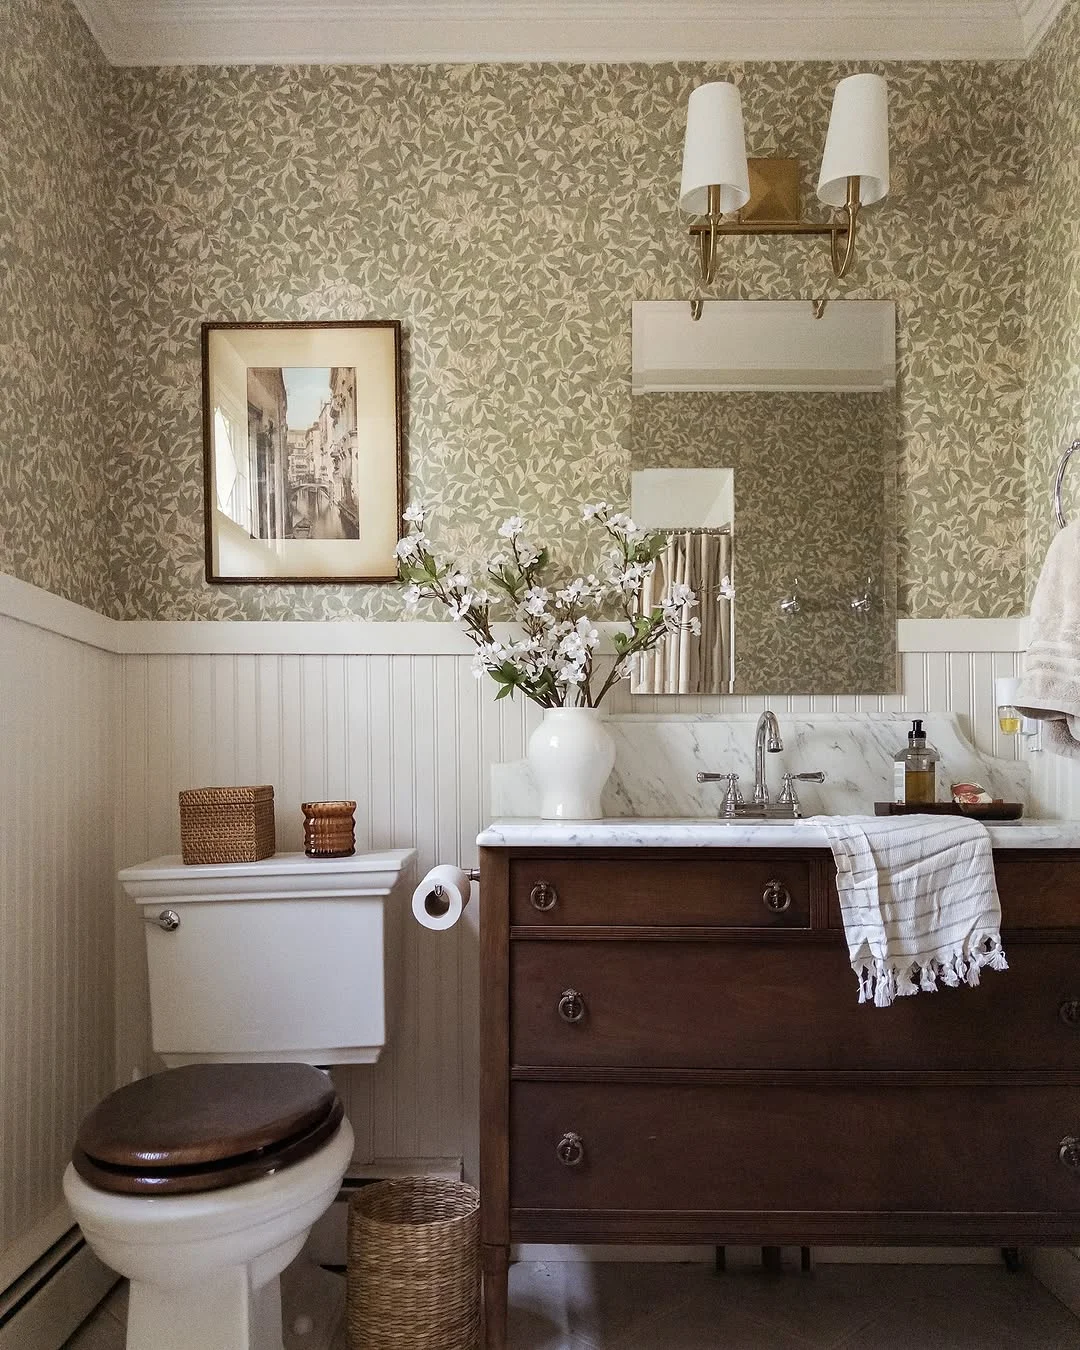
(1059, 479)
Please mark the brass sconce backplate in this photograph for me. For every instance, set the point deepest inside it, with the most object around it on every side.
(774, 192)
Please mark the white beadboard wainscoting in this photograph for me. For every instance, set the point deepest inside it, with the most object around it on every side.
(391, 715)
(411, 737)
(59, 728)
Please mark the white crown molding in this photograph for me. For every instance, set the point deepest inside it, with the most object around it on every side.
(150, 637)
(1036, 19)
(194, 32)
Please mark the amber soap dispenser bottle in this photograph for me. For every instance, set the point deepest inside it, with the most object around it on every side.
(915, 769)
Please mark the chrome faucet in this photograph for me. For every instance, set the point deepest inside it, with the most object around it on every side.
(767, 737)
(788, 806)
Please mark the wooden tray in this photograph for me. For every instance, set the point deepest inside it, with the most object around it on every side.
(996, 810)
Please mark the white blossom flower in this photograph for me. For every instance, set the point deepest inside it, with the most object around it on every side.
(621, 524)
(570, 674)
(726, 588)
(458, 580)
(510, 529)
(594, 509)
(527, 554)
(680, 596)
(586, 633)
(409, 547)
(414, 514)
(413, 595)
(572, 592)
(536, 600)
(460, 607)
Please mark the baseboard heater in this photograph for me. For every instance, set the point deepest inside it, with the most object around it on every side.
(43, 1307)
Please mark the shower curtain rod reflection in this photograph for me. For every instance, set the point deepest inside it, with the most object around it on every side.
(696, 529)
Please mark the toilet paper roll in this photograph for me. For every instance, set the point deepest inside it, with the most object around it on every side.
(441, 896)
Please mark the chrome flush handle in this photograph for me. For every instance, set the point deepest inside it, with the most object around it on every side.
(168, 920)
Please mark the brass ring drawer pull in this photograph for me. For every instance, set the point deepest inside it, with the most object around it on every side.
(571, 1006)
(776, 897)
(570, 1151)
(1069, 1011)
(1069, 1153)
(543, 896)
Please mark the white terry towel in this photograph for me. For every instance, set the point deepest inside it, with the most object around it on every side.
(1050, 686)
(919, 902)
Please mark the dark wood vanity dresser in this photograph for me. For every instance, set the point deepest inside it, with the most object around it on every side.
(673, 1052)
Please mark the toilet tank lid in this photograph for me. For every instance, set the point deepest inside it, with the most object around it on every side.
(283, 876)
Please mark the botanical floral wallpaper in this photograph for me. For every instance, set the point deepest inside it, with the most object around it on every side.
(814, 499)
(510, 215)
(54, 277)
(1053, 389)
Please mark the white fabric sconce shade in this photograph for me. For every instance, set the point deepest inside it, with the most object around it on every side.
(714, 154)
(857, 145)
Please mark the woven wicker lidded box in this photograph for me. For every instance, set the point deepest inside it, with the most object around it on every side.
(227, 824)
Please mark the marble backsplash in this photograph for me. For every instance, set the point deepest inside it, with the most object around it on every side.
(657, 760)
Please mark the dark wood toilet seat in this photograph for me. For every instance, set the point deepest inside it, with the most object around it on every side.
(204, 1127)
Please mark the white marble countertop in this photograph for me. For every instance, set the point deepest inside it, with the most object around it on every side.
(632, 832)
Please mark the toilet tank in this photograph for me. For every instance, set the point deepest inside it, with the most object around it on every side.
(291, 958)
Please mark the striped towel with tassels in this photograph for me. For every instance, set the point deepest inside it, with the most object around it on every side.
(919, 902)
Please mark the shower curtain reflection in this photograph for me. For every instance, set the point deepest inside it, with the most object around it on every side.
(684, 663)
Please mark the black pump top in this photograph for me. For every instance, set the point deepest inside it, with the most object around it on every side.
(916, 733)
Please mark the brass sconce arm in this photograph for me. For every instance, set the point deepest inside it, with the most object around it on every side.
(841, 231)
(850, 210)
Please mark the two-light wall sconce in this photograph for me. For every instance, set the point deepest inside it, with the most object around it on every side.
(718, 179)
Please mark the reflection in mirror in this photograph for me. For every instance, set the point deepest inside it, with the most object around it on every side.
(764, 442)
(697, 507)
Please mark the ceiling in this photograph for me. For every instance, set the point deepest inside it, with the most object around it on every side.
(366, 32)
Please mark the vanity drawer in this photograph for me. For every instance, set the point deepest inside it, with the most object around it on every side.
(1034, 893)
(740, 893)
(784, 1005)
(754, 1149)
(1041, 893)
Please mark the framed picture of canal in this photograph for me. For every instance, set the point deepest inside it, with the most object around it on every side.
(303, 451)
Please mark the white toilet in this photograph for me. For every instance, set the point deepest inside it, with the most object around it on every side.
(201, 1183)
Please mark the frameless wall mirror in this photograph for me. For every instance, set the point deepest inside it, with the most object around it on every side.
(764, 442)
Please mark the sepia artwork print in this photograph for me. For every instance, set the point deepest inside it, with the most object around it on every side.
(302, 442)
(303, 452)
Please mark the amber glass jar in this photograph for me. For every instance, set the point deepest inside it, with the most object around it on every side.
(329, 829)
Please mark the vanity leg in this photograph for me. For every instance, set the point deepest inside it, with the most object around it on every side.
(719, 1260)
(1011, 1257)
(772, 1260)
(495, 1262)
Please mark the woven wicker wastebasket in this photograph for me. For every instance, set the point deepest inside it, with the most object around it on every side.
(414, 1266)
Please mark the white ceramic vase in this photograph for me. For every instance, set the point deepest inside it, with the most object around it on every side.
(571, 754)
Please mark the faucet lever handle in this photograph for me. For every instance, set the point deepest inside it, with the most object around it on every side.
(733, 798)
